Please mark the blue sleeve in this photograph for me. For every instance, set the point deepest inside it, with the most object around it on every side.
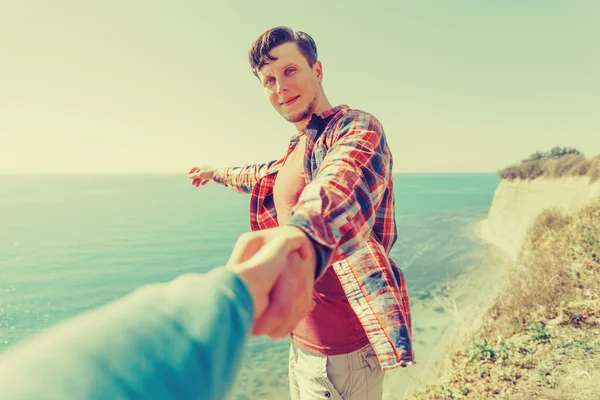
(323, 254)
(179, 340)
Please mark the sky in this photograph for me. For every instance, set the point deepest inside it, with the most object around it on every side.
(157, 87)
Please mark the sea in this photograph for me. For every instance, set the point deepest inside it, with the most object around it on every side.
(70, 243)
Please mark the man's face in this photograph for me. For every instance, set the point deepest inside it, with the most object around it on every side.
(293, 87)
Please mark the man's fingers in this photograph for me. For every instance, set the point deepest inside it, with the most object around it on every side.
(277, 310)
(281, 304)
(300, 243)
(292, 320)
(303, 306)
(289, 303)
(270, 255)
(194, 172)
(246, 246)
(273, 253)
(303, 294)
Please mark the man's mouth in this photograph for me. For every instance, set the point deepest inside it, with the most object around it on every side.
(290, 101)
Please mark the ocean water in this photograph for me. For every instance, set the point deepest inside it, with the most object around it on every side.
(69, 243)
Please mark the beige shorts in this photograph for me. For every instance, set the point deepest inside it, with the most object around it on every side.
(352, 376)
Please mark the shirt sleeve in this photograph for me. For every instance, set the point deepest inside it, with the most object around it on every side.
(242, 179)
(179, 340)
(337, 209)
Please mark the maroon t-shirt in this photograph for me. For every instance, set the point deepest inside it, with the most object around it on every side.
(332, 327)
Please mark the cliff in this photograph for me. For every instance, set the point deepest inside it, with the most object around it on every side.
(516, 204)
(540, 339)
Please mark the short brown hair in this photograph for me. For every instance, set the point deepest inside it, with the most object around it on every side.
(261, 48)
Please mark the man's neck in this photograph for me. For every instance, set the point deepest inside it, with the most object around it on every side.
(325, 106)
(321, 106)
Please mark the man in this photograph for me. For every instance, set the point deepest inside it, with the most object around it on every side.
(182, 339)
(334, 185)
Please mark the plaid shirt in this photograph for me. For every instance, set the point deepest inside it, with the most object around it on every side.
(347, 208)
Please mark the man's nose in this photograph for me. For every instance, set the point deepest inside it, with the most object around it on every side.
(282, 86)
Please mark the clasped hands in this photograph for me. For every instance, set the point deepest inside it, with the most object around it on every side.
(278, 267)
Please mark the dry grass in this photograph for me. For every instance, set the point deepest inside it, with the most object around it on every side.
(541, 338)
(568, 165)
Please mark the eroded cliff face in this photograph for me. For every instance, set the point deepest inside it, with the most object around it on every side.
(517, 203)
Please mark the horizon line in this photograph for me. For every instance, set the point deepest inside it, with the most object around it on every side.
(179, 173)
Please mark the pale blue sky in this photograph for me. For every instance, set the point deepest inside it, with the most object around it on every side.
(157, 86)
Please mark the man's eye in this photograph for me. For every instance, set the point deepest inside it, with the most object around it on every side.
(289, 71)
(268, 81)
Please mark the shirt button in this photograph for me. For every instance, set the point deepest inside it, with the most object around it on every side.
(327, 394)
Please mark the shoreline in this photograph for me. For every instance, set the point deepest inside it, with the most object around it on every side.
(442, 322)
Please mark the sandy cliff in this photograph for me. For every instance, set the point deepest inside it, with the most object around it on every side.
(516, 204)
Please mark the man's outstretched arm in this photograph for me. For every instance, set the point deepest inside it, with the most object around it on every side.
(240, 179)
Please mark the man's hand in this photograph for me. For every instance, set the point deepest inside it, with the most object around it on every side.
(265, 260)
(201, 174)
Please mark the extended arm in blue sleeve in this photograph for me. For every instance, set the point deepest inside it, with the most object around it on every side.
(179, 340)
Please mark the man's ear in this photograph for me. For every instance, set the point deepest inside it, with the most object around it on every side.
(318, 68)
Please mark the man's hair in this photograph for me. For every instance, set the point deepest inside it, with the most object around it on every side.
(260, 53)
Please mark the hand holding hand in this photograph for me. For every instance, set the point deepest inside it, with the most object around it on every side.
(278, 265)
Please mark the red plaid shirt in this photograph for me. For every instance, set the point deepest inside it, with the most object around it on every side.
(347, 208)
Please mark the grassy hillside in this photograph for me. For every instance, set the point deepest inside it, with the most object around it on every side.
(541, 337)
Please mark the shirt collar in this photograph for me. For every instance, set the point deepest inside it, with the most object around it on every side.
(318, 121)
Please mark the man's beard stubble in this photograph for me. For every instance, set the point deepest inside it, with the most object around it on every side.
(303, 114)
